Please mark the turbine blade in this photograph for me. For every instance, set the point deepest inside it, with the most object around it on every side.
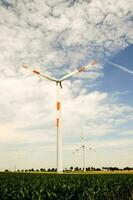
(90, 148)
(120, 67)
(78, 149)
(40, 73)
(82, 137)
(77, 71)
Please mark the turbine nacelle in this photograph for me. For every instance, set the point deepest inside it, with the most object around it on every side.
(59, 82)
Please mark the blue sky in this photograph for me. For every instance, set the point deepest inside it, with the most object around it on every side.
(58, 37)
(116, 79)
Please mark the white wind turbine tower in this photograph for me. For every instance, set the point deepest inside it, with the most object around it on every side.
(83, 147)
(58, 106)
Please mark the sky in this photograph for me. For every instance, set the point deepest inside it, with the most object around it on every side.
(57, 37)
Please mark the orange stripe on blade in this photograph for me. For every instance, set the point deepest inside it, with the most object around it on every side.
(36, 72)
(57, 122)
(58, 105)
(81, 69)
(25, 66)
(94, 62)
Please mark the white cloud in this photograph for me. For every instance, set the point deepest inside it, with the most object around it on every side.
(53, 34)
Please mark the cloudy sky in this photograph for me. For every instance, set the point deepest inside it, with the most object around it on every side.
(58, 37)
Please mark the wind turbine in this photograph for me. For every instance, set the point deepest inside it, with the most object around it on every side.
(83, 147)
(58, 106)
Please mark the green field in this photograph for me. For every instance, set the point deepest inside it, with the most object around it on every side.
(39, 186)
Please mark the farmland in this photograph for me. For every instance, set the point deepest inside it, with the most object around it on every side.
(39, 186)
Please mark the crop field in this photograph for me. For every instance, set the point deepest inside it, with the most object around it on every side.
(27, 186)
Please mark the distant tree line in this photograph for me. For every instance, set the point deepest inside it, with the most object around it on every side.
(73, 169)
(99, 169)
(116, 168)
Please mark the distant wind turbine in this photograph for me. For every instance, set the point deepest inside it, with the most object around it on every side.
(58, 107)
(83, 147)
